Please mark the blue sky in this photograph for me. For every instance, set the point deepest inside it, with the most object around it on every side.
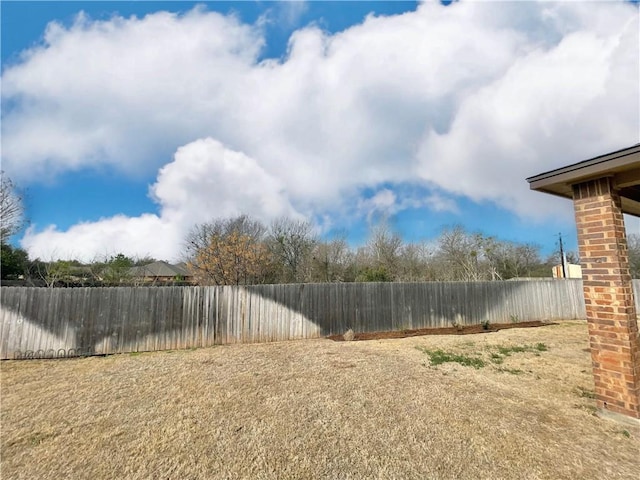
(129, 122)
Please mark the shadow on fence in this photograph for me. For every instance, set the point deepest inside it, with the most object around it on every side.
(44, 323)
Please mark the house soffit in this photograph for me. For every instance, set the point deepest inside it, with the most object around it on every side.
(623, 166)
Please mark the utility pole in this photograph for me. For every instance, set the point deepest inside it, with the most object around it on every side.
(564, 272)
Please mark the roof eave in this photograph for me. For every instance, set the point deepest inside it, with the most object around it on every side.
(617, 161)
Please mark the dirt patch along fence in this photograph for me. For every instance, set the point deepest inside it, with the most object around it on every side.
(41, 322)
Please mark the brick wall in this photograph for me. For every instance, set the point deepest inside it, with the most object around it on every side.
(608, 292)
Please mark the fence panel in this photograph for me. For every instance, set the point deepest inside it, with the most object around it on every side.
(72, 321)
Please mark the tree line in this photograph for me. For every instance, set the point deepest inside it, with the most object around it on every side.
(242, 250)
(115, 270)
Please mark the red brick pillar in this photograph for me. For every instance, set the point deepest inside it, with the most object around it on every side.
(608, 294)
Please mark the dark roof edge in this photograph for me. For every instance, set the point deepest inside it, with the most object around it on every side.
(586, 163)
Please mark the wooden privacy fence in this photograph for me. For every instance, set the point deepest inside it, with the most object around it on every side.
(41, 322)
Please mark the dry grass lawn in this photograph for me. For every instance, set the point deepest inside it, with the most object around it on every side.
(318, 409)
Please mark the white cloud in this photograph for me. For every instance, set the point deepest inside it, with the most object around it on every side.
(207, 180)
(383, 202)
(388, 202)
(93, 241)
(468, 100)
(204, 181)
(119, 92)
(552, 107)
(288, 13)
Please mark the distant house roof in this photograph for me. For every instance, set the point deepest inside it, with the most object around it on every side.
(622, 165)
(161, 269)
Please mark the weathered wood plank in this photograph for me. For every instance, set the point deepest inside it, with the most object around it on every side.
(123, 319)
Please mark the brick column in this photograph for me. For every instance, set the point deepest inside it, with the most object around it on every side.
(608, 294)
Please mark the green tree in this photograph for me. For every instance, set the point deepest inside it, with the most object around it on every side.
(374, 274)
(14, 262)
(116, 270)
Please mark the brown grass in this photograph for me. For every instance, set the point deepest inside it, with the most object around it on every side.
(317, 409)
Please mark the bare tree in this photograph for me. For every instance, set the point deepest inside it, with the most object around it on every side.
(415, 263)
(473, 256)
(509, 259)
(462, 254)
(378, 260)
(11, 208)
(58, 273)
(228, 252)
(333, 261)
(291, 243)
(633, 246)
